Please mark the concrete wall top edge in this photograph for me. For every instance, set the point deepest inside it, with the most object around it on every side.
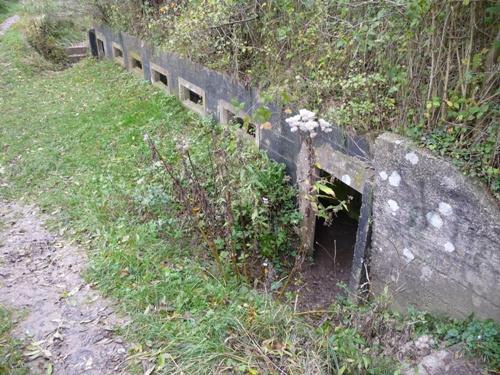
(472, 183)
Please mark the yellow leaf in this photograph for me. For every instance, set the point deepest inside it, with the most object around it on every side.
(266, 125)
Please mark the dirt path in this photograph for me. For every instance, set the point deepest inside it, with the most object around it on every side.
(67, 326)
(4, 26)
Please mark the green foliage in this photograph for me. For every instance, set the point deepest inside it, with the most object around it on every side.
(78, 152)
(418, 67)
(8, 8)
(11, 361)
(54, 25)
(44, 35)
(235, 198)
(481, 338)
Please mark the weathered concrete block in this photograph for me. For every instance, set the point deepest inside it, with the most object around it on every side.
(436, 234)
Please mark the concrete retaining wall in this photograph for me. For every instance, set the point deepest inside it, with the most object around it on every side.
(436, 236)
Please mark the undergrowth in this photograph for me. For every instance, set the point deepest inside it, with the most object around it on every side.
(480, 338)
(8, 8)
(53, 25)
(427, 69)
(11, 360)
(78, 151)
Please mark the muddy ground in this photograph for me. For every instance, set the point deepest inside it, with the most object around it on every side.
(64, 323)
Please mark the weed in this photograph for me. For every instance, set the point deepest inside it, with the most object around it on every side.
(11, 361)
(236, 199)
(480, 338)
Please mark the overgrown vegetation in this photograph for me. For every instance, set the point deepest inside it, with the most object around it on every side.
(480, 338)
(424, 68)
(235, 199)
(54, 25)
(11, 361)
(79, 152)
(7, 8)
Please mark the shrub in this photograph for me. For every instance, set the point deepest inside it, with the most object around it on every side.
(235, 198)
(44, 34)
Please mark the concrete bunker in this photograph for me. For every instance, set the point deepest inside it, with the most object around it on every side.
(160, 77)
(412, 192)
(192, 96)
(118, 54)
(136, 64)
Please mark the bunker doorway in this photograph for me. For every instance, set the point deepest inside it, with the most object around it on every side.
(334, 242)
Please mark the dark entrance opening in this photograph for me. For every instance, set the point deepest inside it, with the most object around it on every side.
(334, 242)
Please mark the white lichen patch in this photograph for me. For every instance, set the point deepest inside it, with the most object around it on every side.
(408, 255)
(346, 179)
(425, 273)
(434, 219)
(445, 209)
(412, 158)
(393, 205)
(449, 247)
(383, 175)
(394, 178)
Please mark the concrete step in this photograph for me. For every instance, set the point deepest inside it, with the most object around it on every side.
(77, 57)
(77, 49)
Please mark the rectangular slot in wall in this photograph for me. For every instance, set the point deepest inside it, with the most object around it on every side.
(136, 66)
(192, 96)
(118, 54)
(229, 115)
(160, 77)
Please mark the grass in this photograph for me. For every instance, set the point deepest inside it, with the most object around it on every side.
(11, 362)
(78, 151)
(72, 142)
(8, 8)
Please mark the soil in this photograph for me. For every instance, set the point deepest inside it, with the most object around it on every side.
(318, 282)
(66, 325)
(4, 26)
